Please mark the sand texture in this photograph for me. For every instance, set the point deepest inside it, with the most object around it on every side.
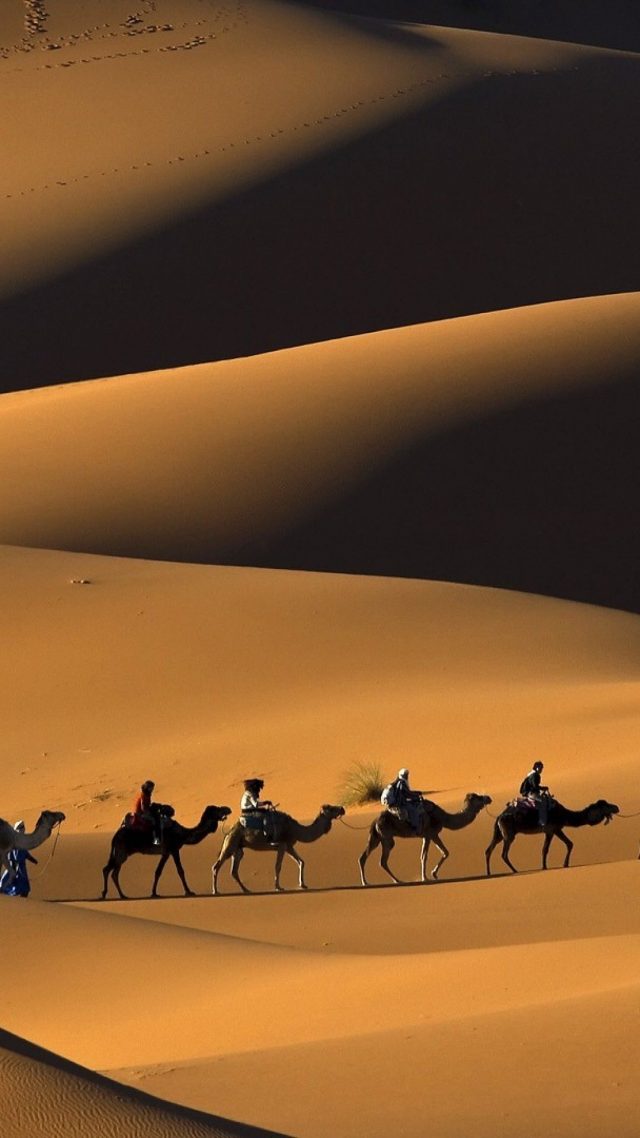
(320, 362)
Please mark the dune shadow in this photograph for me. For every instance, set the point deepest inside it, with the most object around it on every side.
(511, 190)
(614, 25)
(217, 1126)
(539, 497)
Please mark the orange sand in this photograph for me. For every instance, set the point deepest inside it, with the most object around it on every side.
(199, 180)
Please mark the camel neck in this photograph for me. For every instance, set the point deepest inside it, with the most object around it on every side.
(316, 829)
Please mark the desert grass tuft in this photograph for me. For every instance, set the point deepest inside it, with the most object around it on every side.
(362, 783)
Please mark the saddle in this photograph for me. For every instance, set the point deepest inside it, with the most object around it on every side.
(161, 811)
(528, 809)
(264, 822)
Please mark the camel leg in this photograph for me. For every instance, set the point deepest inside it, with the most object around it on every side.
(387, 846)
(115, 876)
(279, 860)
(545, 849)
(224, 855)
(156, 877)
(235, 862)
(495, 841)
(424, 850)
(299, 862)
(105, 880)
(372, 844)
(508, 842)
(177, 861)
(568, 843)
(439, 844)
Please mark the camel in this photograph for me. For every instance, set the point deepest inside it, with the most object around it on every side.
(290, 832)
(432, 819)
(513, 821)
(128, 840)
(11, 839)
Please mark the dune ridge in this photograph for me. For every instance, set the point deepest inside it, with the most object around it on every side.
(366, 292)
(481, 207)
(427, 451)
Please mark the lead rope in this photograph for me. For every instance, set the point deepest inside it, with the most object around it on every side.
(349, 827)
(636, 815)
(486, 808)
(41, 872)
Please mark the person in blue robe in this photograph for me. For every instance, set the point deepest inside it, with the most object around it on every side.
(18, 885)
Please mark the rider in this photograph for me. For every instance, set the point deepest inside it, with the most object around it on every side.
(252, 806)
(144, 817)
(531, 788)
(406, 801)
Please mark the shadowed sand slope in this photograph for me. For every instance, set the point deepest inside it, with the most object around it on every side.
(499, 449)
(578, 21)
(261, 175)
(44, 1095)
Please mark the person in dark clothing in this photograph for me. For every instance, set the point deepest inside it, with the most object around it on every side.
(405, 802)
(531, 787)
(17, 885)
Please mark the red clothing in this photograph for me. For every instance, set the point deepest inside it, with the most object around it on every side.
(141, 809)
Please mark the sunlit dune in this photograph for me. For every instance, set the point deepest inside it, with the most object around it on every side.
(427, 451)
(319, 374)
(116, 670)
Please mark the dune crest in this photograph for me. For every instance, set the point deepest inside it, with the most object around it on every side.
(429, 451)
(365, 295)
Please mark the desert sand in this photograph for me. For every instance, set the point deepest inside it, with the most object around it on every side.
(319, 447)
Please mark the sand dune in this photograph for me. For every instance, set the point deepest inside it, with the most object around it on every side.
(364, 289)
(587, 22)
(430, 451)
(195, 674)
(43, 1094)
(295, 176)
(532, 959)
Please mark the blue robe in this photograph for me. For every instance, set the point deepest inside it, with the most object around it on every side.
(20, 886)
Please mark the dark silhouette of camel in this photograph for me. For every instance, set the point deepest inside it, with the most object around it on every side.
(514, 821)
(432, 819)
(128, 840)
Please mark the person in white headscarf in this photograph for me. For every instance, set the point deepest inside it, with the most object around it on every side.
(403, 801)
(15, 880)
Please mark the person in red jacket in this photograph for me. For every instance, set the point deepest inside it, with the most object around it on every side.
(143, 816)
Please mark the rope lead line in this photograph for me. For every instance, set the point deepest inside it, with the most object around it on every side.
(349, 827)
(37, 876)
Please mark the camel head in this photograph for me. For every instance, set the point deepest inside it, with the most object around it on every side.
(477, 801)
(332, 812)
(50, 818)
(212, 815)
(601, 811)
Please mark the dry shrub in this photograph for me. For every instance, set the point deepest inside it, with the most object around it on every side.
(362, 783)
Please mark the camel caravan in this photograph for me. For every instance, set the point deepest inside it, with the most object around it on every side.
(151, 828)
